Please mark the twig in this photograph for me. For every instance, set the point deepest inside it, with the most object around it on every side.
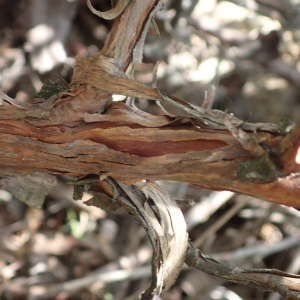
(12, 101)
(81, 283)
(221, 221)
(258, 251)
(287, 285)
(208, 99)
(104, 275)
(294, 267)
(200, 212)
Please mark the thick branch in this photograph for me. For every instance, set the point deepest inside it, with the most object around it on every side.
(82, 132)
(130, 145)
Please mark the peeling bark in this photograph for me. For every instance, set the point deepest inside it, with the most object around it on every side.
(82, 132)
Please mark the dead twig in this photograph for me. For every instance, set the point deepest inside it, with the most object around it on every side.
(287, 285)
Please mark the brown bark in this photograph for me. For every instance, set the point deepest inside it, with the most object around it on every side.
(82, 132)
(286, 284)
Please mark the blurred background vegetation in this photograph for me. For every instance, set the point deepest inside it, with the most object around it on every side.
(249, 50)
